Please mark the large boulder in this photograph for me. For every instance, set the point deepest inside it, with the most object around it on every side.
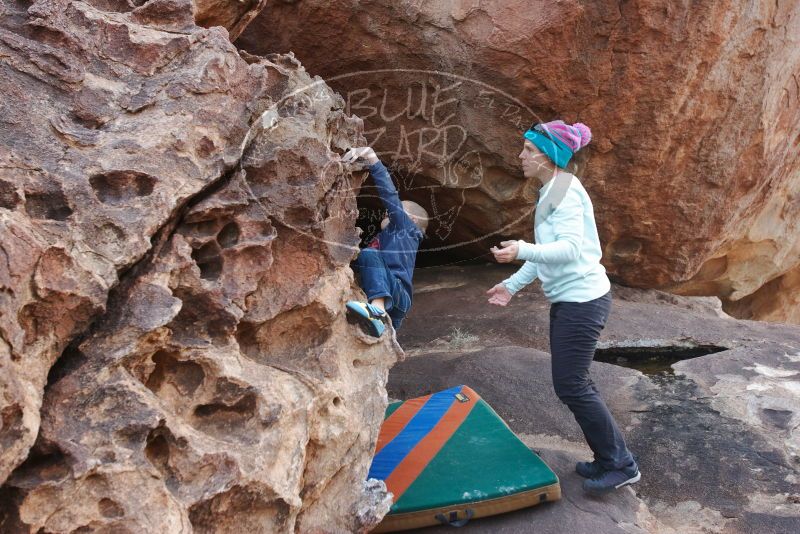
(694, 110)
(177, 228)
(110, 126)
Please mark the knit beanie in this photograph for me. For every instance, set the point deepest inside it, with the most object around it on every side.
(559, 140)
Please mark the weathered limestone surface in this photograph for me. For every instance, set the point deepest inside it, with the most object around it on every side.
(694, 106)
(109, 127)
(179, 226)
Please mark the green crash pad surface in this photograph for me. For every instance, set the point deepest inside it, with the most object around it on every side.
(450, 449)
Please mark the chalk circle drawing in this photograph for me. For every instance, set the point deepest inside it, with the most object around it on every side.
(420, 141)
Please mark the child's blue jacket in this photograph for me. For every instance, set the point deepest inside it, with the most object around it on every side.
(400, 240)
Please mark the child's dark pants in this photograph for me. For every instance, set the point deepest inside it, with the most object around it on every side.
(574, 330)
(378, 281)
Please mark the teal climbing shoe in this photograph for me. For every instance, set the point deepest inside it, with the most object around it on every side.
(370, 318)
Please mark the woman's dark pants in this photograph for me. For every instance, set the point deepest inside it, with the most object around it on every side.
(574, 330)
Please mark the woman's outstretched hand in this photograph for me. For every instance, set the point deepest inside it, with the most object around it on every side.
(506, 254)
(499, 295)
(364, 153)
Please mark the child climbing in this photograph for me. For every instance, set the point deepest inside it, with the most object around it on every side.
(386, 266)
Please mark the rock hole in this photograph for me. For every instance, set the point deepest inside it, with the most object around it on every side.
(109, 508)
(44, 463)
(158, 452)
(241, 509)
(111, 235)
(229, 235)
(95, 479)
(200, 228)
(71, 359)
(205, 147)
(208, 260)
(337, 401)
(50, 205)
(777, 418)
(184, 376)
(245, 407)
(655, 360)
(9, 198)
(201, 320)
(11, 425)
(119, 187)
(288, 337)
(10, 502)
(232, 410)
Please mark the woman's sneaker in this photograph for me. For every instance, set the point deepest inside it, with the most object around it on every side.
(612, 480)
(589, 469)
(369, 317)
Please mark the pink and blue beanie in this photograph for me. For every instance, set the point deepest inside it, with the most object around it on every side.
(559, 140)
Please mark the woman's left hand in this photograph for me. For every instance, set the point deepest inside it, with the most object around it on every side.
(506, 254)
(499, 295)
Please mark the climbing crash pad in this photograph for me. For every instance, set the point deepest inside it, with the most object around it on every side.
(448, 458)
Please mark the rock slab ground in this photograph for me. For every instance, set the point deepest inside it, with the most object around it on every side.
(716, 441)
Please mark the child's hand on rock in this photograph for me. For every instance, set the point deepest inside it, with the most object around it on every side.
(360, 153)
(506, 254)
(499, 295)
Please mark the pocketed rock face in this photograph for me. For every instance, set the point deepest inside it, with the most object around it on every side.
(694, 107)
(109, 125)
(225, 383)
(216, 386)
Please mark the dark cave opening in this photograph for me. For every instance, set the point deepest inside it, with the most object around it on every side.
(450, 237)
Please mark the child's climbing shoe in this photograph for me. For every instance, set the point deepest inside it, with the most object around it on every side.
(611, 480)
(369, 317)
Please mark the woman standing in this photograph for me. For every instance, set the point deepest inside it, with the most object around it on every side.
(566, 258)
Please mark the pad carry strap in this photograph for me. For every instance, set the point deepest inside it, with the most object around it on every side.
(453, 520)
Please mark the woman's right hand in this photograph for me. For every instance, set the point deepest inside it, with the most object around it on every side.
(499, 295)
(506, 254)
